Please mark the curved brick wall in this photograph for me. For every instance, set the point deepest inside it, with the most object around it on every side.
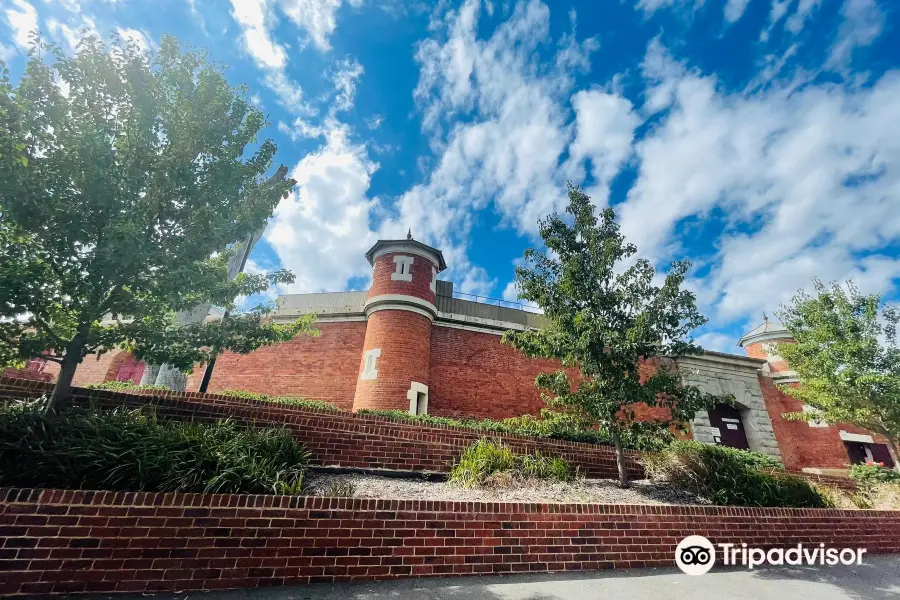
(404, 339)
(60, 542)
(419, 287)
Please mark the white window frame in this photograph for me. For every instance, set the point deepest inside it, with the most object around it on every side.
(433, 280)
(370, 364)
(403, 269)
(416, 390)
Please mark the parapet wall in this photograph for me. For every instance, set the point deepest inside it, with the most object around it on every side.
(63, 542)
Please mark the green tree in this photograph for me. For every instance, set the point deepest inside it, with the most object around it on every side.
(127, 179)
(846, 356)
(606, 318)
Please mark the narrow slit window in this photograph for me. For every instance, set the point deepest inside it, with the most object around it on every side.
(402, 268)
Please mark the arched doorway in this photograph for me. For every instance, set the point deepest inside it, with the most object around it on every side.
(726, 419)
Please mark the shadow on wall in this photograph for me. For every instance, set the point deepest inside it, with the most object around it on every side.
(878, 579)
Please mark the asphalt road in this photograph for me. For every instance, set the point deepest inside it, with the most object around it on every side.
(877, 579)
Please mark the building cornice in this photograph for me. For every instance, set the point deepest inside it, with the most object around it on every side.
(383, 247)
(782, 334)
(743, 362)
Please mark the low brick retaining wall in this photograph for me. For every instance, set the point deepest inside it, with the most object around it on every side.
(341, 438)
(57, 542)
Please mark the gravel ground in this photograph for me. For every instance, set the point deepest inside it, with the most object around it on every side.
(599, 491)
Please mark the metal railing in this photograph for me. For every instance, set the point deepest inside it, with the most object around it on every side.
(496, 302)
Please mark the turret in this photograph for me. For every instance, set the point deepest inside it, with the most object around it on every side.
(400, 310)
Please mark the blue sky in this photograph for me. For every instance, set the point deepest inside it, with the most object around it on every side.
(759, 138)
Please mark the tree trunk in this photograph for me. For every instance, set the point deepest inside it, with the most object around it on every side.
(71, 360)
(620, 458)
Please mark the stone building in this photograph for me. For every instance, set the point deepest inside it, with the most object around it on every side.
(411, 343)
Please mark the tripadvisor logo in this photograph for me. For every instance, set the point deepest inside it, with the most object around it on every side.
(696, 555)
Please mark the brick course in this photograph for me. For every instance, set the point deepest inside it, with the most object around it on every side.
(63, 542)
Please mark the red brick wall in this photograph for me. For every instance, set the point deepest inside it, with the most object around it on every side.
(57, 542)
(801, 445)
(321, 368)
(404, 339)
(93, 369)
(420, 286)
(339, 438)
(474, 375)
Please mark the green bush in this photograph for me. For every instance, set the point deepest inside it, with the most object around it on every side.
(871, 474)
(284, 400)
(550, 425)
(127, 386)
(129, 450)
(729, 477)
(486, 458)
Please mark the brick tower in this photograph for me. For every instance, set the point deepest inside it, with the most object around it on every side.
(400, 309)
(760, 343)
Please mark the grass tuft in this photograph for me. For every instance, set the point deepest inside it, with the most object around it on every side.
(487, 462)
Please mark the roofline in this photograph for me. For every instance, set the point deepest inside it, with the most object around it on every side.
(410, 246)
(752, 338)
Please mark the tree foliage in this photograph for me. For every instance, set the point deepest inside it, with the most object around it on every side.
(605, 317)
(127, 178)
(846, 356)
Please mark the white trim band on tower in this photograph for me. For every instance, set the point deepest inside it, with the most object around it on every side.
(401, 302)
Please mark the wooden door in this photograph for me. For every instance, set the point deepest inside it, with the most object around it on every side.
(727, 419)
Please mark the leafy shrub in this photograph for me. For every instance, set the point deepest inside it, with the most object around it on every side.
(486, 458)
(129, 450)
(550, 425)
(284, 400)
(873, 473)
(729, 477)
(127, 386)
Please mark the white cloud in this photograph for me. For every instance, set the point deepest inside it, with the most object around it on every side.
(719, 342)
(72, 32)
(734, 10)
(805, 11)
(862, 23)
(254, 18)
(805, 181)
(344, 80)
(140, 38)
(23, 20)
(322, 231)
(605, 125)
(316, 17)
(651, 6)
(509, 151)
(288, 92)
